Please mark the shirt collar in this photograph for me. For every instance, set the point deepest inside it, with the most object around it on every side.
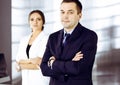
(68, 32)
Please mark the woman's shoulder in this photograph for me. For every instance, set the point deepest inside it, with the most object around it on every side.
(44, 35)
(25, 38)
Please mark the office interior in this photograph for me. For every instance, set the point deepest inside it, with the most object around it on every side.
(102, 16)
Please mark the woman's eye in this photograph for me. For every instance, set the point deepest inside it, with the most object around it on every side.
(39, 19)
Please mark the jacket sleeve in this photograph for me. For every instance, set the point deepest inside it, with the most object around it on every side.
(46, 70)
(21, 49)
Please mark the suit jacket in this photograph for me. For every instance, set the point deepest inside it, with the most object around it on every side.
(65, 71)
(33, 77)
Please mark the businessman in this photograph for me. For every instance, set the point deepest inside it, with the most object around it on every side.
(70, 52)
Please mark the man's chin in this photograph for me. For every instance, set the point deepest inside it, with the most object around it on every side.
(65, 25)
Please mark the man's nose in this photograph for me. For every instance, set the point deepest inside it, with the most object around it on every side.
(65, 15)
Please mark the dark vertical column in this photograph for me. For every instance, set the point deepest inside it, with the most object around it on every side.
(5, 32)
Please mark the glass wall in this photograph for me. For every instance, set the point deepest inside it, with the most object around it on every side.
(105, 21)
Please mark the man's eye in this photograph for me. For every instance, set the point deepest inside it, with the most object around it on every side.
(62, 12)
(31, 19)
(70, 12)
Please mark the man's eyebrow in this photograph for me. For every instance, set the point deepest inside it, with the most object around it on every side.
(70, 10)
(67, 10)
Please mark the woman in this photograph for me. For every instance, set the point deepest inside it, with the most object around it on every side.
(31, 50)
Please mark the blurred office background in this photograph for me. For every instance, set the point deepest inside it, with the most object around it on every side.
(102, 16)
(5, 37)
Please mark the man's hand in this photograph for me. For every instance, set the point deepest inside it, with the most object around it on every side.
(78, 56)
(51, 60)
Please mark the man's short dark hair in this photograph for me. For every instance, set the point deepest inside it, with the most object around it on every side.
(77, 2)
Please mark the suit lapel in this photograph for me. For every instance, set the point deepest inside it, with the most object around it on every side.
(75, 34)
(59, 45)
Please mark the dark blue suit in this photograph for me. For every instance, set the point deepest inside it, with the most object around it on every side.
(65, 71)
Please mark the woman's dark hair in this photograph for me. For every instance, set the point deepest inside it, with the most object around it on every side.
(40, 13)
(77, 2)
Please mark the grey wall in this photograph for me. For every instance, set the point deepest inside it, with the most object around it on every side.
(5, 31)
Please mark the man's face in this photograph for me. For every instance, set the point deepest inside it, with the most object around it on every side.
(69, 15)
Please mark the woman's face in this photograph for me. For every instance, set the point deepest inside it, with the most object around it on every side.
(36, 22)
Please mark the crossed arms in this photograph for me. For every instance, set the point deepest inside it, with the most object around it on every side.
(30, 64)
(77, 57)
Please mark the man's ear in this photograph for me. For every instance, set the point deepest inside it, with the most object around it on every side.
(80, 15)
